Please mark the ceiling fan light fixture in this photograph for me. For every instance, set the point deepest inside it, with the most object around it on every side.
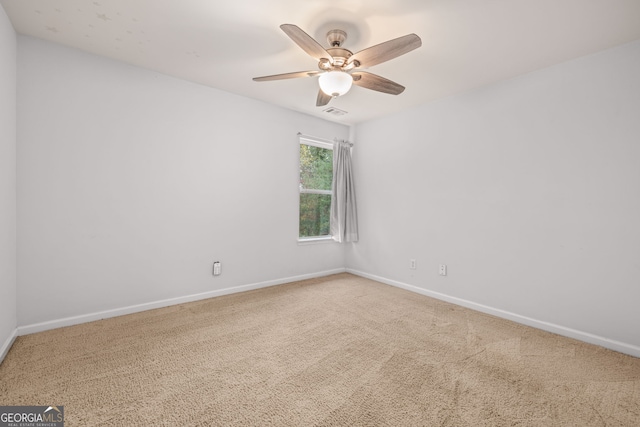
(335, 83)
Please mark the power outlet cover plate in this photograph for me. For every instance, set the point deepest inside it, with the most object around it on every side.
(443, 270)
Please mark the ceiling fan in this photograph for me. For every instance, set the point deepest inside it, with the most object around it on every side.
(338, 68)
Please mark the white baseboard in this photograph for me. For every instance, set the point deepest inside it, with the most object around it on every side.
(621, 347)
(90, 317)
(6, 346)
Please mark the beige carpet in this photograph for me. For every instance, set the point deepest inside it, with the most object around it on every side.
(335, 351)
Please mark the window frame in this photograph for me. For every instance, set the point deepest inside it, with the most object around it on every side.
(327, 145)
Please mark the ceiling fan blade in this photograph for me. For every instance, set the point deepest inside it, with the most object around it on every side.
(323, 98)
(306, 42)
(385, 51)
(287, 76)
(375, 82)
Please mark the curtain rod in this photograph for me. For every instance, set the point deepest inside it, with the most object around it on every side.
(325, 140)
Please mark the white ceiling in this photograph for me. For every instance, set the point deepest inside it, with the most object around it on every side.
(223, 44)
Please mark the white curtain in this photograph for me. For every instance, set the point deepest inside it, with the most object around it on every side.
(344, 219)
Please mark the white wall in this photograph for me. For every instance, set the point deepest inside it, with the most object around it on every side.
(8, 317)
(529, 190)
(131, 183)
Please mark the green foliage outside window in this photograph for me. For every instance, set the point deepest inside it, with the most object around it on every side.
(316, 174)
(314, 214)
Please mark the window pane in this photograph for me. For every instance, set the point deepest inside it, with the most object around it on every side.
(316, 167)
(314, 214)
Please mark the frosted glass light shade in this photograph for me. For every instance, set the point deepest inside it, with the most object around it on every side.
(335, 83)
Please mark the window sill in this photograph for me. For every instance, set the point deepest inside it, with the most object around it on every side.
(315, 240)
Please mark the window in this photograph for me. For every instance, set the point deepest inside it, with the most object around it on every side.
(316, 174)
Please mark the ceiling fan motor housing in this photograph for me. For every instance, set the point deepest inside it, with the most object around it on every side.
(339, 55)
(336, 38)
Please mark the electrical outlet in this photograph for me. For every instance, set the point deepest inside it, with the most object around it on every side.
(412, 264)
(217, 268)
(443, 270)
